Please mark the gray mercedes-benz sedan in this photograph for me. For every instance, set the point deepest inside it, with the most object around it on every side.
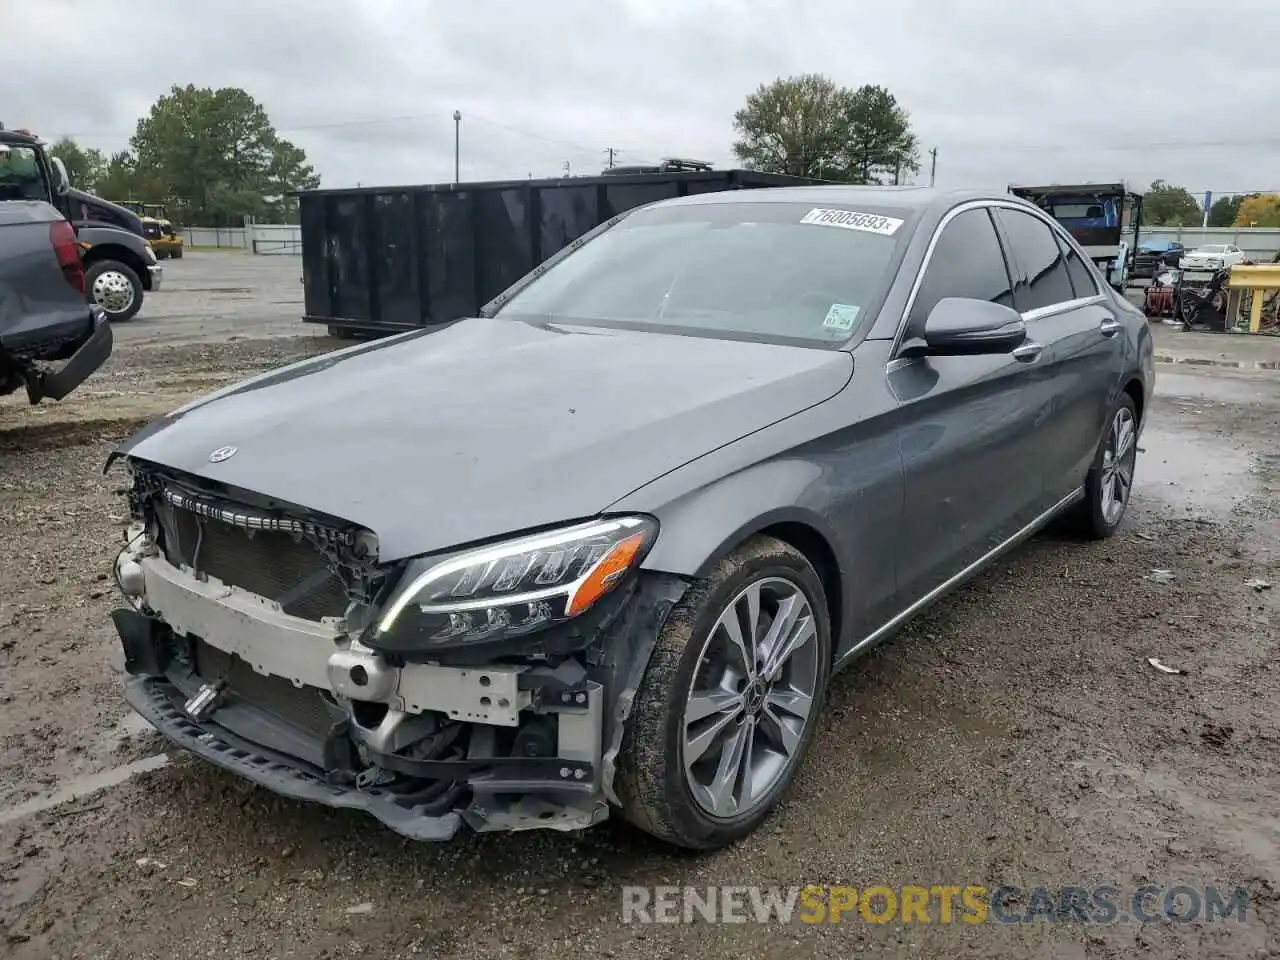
(602, 547)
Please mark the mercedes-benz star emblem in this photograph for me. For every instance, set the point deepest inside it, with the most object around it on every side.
(222, 453)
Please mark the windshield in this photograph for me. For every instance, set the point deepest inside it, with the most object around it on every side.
(1214, 248)
(1156, 243)
(1078, 211)
(21, 177)
(761, 270)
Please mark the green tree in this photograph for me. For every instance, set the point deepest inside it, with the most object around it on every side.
(122, 180)
(218, 152)
(1168, 206)
(85, 165)
(1223, 212)
(883, 147)
(808, 126)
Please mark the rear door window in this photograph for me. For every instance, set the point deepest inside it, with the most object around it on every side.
(1040, 270)
(966, 262)
(1082, 282)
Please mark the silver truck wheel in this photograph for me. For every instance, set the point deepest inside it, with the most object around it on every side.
(115, 288)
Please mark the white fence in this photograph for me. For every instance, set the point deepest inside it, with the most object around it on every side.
(275, 238)
(215, 237)
(261, 238)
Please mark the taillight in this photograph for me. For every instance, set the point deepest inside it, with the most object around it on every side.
(63, 237)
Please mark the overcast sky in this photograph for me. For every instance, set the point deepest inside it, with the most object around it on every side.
(1007, 90)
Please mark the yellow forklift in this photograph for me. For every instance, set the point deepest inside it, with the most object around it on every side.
(165, 239)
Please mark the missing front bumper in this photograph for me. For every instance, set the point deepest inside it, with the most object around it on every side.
(536, 744)
(160, 704)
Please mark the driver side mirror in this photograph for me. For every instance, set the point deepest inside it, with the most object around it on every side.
(61, 182)
(960, 327)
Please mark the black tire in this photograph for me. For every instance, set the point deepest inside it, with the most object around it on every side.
(176, 253)
(160, 254)
(96, 270)
(343, 333)
(651, 780)
(1089, 519)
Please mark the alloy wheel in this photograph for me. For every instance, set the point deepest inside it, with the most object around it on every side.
(113, 292)
(751, 698)
(1118, 459)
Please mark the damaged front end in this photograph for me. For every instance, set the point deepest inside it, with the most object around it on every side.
(488, 686)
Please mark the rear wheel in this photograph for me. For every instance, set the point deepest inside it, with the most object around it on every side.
(176, 253)
(729, 702)
(114, 287)
(1110, 481)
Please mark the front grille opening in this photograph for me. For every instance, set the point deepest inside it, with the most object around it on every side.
(303, 707)
(291, 572)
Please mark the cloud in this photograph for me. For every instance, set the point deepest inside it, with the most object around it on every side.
(1007, 91)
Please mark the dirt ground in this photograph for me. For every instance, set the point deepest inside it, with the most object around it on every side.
(1015, 734)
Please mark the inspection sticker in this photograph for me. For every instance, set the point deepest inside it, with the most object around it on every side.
(841, 316)
(852, 220)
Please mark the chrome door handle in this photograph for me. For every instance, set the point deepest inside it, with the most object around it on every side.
(1029, 352)
(1109, 327)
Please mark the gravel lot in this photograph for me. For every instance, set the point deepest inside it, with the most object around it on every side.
(1015, 734)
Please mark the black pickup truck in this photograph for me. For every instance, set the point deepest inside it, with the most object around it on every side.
(51, 338)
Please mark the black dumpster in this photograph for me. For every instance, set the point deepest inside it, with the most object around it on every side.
(385, 259)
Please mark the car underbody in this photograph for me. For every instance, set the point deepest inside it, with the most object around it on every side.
(244, 646)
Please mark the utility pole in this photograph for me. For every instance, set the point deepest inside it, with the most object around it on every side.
(457, 137)
(933, 165)
(611, 152)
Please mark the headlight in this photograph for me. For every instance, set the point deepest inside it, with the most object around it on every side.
(151, 254)
(515, 587)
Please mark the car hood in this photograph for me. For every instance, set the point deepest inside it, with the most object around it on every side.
(486, 427)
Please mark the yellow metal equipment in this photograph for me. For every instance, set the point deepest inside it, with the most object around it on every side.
(1253, 291)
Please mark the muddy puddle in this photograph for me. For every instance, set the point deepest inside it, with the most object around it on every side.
(1201, 476)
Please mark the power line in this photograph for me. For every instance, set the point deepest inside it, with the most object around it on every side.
(370, 122)
(1086, 144)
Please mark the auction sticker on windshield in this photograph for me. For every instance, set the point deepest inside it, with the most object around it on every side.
(852, 220)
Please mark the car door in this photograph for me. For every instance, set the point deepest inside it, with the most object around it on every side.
(967, 425)
(1067, 313)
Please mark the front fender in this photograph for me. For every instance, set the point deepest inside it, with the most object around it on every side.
(701, 527)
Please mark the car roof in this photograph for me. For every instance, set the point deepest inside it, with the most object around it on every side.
(919, 199)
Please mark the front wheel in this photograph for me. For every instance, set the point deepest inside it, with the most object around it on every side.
(729, 701)
(1109, 484)
(115, 288)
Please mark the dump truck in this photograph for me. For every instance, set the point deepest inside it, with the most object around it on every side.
(1098, 215)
